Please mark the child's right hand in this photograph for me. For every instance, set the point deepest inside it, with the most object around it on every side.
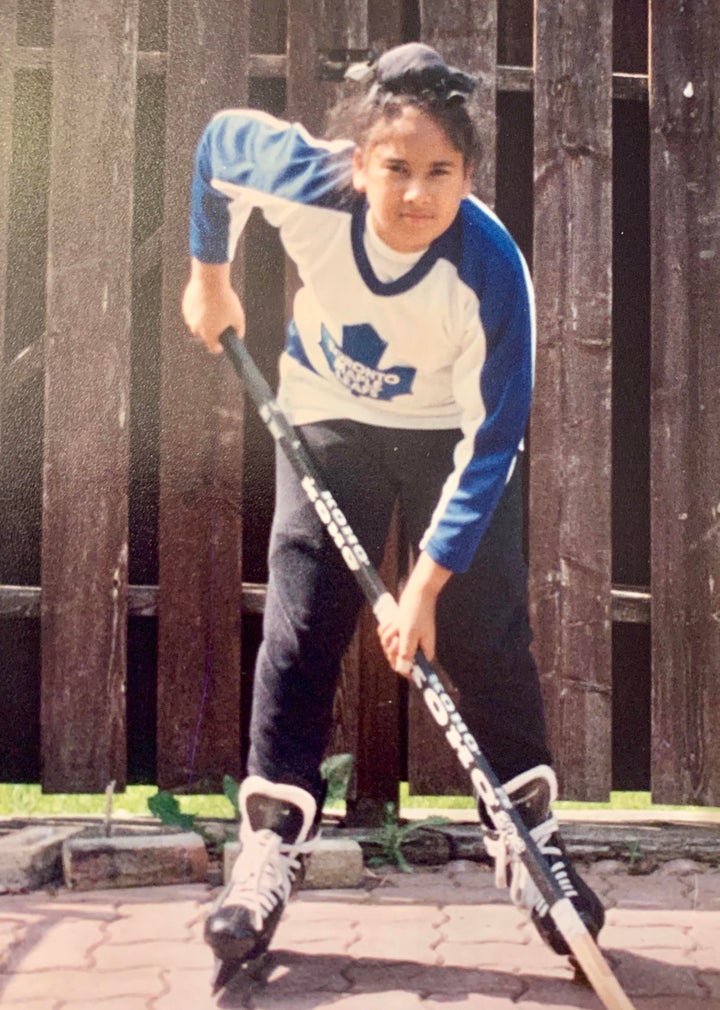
(210, 304)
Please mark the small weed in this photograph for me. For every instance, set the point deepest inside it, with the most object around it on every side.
(166, 807)
(640, 864)
(230, 791)
(336, 771)
(393, 836)
(635, 851)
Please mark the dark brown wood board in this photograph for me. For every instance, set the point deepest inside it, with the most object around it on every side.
(200, 583)
(685, 401)
(85, 539)
(570, 435)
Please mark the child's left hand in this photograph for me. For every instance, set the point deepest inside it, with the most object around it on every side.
(412, 625)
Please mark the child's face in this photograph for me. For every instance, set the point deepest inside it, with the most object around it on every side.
(414, 180)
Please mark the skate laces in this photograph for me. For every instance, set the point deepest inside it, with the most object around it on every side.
(264, 873)
(512, 873)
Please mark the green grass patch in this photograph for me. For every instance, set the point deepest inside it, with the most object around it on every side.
(29, 801)
(617, 801)
(433, 802)
(630, 801)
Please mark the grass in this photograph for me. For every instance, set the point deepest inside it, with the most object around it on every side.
(28, 801)
(617, 801)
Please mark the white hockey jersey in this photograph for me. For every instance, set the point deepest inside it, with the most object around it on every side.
(446, 342)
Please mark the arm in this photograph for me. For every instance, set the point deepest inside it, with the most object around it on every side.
(210, 304)
(493, 376)
(246, 159)
(413, 626)
(493, 381)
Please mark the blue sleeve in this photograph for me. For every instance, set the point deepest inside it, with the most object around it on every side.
(244, 157)
(493, 387)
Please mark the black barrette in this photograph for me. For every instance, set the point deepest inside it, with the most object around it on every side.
(414, 69)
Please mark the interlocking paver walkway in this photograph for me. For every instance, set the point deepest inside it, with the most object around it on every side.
(433, 940)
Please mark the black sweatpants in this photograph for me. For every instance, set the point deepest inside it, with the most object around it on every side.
(483, 633)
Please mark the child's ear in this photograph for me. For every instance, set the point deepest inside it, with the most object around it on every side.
(358, 170)
(467, 181)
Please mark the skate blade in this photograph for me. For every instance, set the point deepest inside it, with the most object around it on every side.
(225, 972)
(255, 969)
(579, 976)
(260, 966)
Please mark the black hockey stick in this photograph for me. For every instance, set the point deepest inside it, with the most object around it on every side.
(486, 785)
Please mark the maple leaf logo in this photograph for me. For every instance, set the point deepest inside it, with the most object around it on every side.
(355, 364)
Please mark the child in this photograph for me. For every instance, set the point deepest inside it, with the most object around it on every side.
(408, 369)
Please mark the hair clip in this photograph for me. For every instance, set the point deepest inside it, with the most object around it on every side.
(361, 73)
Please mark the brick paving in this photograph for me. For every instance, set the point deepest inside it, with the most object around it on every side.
(434, 940)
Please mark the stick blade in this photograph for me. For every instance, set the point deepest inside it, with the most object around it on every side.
(589, 961)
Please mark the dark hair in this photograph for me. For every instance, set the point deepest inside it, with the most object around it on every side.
(354, 117)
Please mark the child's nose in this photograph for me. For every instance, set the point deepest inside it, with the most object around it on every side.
(416, 190)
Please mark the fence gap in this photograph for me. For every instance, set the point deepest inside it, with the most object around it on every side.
(515, 32)
(34, 22)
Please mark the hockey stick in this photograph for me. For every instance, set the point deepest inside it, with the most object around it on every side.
(486, 785)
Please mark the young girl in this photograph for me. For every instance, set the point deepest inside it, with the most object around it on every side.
(408, 370)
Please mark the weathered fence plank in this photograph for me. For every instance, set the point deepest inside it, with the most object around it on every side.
(198, 730)
(84, 552)
(314, 27)
(465, 33)
(570, 433)
(685, 407)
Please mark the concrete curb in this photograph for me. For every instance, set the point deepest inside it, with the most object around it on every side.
(588, 841)
(134, 861)
(142, 852)
(31, 858)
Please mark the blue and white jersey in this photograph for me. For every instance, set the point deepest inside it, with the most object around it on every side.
(444, 339)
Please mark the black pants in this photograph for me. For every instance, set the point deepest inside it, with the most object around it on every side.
(483, 634)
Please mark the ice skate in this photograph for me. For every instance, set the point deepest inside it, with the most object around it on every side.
(532, 794)
(276, 825)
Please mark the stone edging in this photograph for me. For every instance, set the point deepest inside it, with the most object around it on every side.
(143, 852)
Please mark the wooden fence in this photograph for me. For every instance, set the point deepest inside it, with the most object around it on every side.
(135, 494)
